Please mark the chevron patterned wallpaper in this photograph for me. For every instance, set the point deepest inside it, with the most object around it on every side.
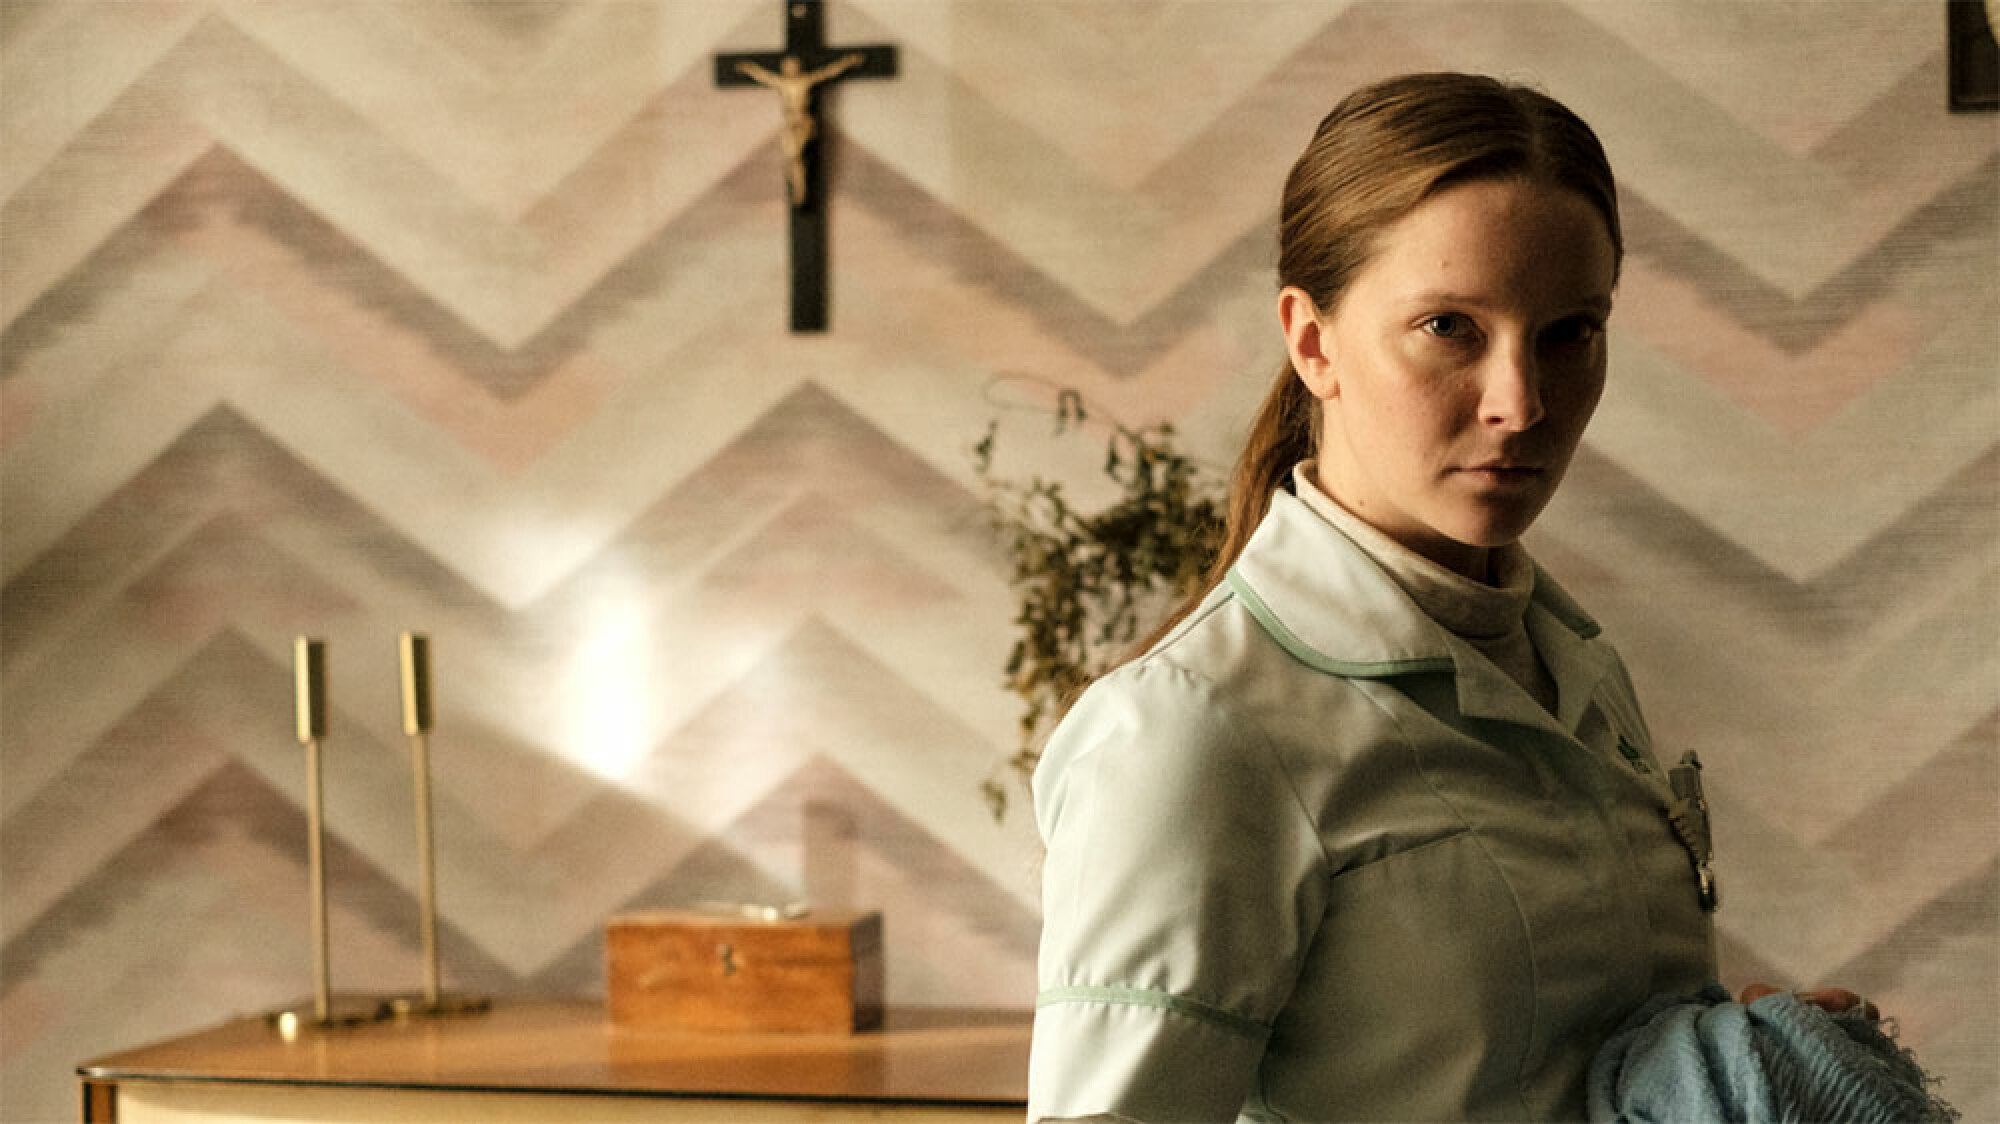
(347, 317)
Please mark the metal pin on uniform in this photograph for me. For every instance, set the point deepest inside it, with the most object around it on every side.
(1689, 816)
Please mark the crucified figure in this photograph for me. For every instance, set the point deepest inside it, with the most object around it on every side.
(794, 86)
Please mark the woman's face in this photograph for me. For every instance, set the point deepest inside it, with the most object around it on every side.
(1459, 367)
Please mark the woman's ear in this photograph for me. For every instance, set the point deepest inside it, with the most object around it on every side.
(1308, 341)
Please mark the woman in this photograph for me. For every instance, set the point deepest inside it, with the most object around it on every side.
(1375, 830)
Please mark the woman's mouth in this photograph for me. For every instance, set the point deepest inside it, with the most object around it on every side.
(1504, 473)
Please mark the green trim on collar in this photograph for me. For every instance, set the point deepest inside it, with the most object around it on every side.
(1313, 658)
(1136, 997)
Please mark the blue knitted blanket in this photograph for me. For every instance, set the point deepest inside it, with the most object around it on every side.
(1700, 1058)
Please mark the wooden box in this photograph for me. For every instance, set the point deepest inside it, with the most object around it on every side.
(688, 970)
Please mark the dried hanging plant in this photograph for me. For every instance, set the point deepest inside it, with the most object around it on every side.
(1087, 581)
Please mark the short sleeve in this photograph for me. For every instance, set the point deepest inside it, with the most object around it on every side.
(1182, 884)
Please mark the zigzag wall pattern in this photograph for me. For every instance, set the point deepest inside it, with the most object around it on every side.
(344, 319)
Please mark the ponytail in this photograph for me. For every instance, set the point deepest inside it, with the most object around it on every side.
(1284, 432)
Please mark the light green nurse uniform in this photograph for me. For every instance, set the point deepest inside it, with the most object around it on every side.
(1314, 857)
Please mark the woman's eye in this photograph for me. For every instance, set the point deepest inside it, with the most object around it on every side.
(1449, 326)
(1574, 330)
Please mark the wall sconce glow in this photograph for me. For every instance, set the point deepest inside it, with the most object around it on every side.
(607, 692)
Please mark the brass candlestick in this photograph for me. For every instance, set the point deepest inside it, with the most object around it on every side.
(415, 650)
(309, 679)
(309, 683)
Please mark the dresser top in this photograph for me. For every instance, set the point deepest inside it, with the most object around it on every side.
(921, 1055)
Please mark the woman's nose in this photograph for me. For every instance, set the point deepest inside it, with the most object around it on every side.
(1511, 394)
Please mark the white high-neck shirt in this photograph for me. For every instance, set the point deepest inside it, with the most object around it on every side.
(1491, 618)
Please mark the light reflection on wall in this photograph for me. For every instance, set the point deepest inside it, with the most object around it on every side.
(607, 693)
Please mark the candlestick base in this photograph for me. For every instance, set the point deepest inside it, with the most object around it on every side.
(447, 1003)
(341, 1010)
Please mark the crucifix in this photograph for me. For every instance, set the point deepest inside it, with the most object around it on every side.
(797, 74)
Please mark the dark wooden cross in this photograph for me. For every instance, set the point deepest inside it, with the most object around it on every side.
(798, 74)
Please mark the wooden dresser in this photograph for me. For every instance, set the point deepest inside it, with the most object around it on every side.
(561, 1060)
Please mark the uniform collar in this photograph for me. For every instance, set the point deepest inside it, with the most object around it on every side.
(1325, 601)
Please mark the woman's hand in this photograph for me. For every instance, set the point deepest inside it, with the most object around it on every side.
(1832, 1000)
